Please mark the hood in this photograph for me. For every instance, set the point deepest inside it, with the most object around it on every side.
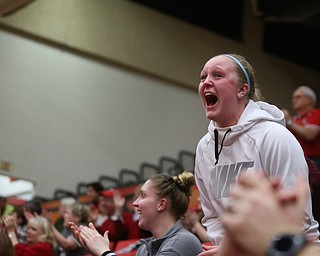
(254, 113)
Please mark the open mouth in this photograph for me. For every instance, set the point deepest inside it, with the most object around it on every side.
(211, 99)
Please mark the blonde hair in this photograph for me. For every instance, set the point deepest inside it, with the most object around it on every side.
(80, 210)
(176, 188)
(254, 93)
(47, 235)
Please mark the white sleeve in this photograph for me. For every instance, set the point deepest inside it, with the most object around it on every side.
(284, 158)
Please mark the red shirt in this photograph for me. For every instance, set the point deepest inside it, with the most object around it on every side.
(312, 118)
(38, 249)
(314, 182)
(135, 232)
(118, 230)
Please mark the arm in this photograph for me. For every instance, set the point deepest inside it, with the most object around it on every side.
(65, 243)
(200, 231)
(308, 132)
(11, 229)
(192, 223)
(119, 202)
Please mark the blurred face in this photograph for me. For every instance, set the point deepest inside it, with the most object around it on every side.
(218, 89)
(129, 205)
(67, 217)
(147, 206)
(62, 208)
(300, 102)
(92, 194)
(106, 205)
(34, 231)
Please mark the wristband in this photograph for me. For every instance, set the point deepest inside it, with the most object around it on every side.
(108, 253)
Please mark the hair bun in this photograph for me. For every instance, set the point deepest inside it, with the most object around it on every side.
(185, 181)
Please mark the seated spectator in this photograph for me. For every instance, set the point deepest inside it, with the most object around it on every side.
(22, 214)
(67, 245)
(93, 192)
(163, 200)
(305, 123)
(6, 247)
(21, 222)
(32, 208)
(40, 239)
(64, 204)
(110, 217)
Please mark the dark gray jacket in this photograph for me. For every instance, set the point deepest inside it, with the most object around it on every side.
(177, 242)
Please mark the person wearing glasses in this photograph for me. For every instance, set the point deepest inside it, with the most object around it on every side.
(305, 123)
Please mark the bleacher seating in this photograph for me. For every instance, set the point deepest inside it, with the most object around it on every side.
(81, 188)
(42, 199)
(128, 177)
(108, 182)
(170, 165)
(187, 160)
(146, 170)
(61, 193)
(128, 180)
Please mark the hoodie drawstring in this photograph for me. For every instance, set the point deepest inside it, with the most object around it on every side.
(216, 144)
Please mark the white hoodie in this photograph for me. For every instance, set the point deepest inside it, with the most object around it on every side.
(258, 142)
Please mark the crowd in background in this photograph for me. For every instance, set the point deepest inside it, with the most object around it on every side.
(152, 213)
(32, 231)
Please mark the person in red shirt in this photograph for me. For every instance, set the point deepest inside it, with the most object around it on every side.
(39, 237)
(110, 216)
(93, 192)
(305, 124)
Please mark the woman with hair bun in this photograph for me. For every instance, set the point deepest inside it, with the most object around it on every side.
(162, 201)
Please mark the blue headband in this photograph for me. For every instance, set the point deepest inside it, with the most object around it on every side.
(243, 70)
